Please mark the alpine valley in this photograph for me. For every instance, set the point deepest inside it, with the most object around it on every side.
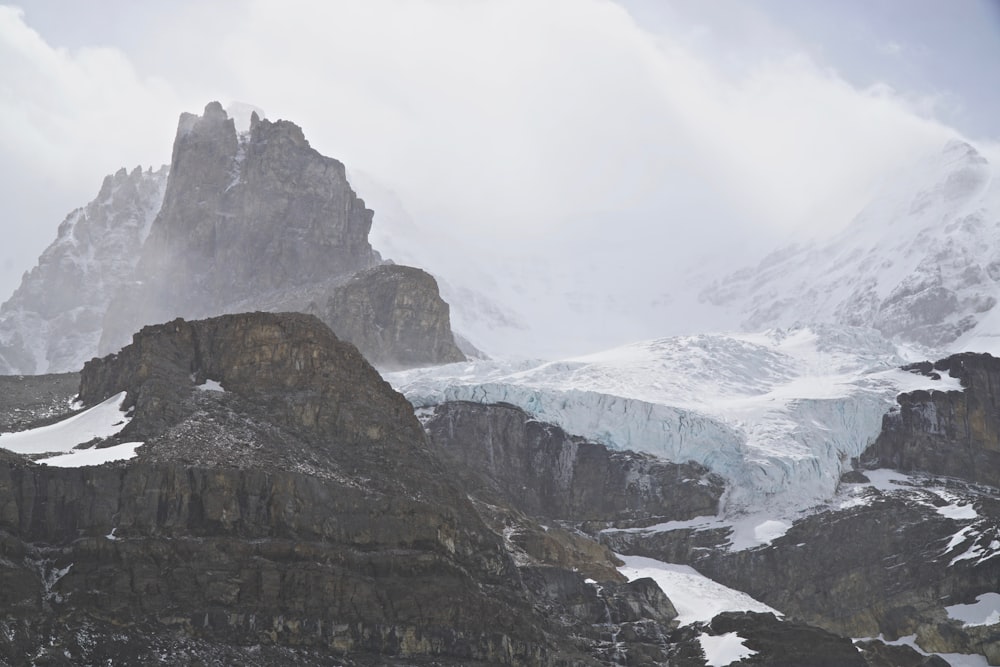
(233, 432)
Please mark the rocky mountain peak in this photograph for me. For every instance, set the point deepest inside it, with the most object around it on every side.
(915, 263)
(247, 222)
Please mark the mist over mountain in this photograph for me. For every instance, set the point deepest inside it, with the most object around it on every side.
(234, 486)
(918, 264)
(250, 220)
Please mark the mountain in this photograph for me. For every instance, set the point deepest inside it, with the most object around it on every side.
(279, 502)
(53, 321)
(248, 489)
(241, 221)
(917, 263)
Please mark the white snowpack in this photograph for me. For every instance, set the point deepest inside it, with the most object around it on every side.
(984, 611)
(210, 385)
(101, 421)
(779, 414)
(724, 650)
(695, 596)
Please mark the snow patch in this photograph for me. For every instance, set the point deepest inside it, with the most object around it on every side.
(79, 458)
(60, 440)
(211, 385)
(723, 650)
(695, 596)
(984, 611)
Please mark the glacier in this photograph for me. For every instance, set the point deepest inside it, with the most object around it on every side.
(779, 414)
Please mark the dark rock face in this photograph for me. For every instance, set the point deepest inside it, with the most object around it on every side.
(887, 566)
(787, 644)
(52, 322)
(543, 471)
(396, 317)
(247, 222)
(299, 516)
(946, 433)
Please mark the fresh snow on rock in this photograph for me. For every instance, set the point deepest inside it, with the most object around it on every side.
(695, 596)
(60, 439)
(779, 414)
(984, 611)
(52, 322)
(724, 650)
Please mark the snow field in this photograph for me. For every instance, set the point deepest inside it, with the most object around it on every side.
(60, 439)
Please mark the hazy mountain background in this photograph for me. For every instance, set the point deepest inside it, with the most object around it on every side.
(598, 163)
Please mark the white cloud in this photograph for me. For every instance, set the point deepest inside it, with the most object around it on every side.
(68, 119)
(557, 126)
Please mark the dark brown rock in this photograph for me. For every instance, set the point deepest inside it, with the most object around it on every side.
(954, 433)
(543, 471)
(396, 317)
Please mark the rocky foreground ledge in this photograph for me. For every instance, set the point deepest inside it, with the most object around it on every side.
(295, 513)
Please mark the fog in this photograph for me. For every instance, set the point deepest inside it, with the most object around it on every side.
(594, 161)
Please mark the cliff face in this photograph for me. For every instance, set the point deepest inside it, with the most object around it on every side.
(299, 514)
(543, 471)
(954, 433)
(396, 317)
(247, 221)
(52, 322)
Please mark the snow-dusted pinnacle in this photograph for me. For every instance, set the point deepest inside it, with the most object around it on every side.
(918, 263)
(53, 321)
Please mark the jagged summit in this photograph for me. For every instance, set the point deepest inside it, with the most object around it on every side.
(52, 322)
(916, 264)
(245, 219)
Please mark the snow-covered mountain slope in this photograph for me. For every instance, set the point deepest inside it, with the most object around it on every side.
(779, 414)
(918, 263)
(53, 321)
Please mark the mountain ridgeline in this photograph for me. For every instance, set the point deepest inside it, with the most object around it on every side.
(243, 221)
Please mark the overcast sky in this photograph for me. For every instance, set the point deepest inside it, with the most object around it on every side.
(674, 127)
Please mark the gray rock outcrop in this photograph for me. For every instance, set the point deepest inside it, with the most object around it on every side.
(253, 221)
(543, 471)
(954, 433)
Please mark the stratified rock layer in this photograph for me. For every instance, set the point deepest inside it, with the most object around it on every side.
(543, 471)
(955, 433)
(299, 515)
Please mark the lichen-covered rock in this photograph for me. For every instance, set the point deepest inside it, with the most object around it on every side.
(543, 471)
(396, 317)
(954, 433)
